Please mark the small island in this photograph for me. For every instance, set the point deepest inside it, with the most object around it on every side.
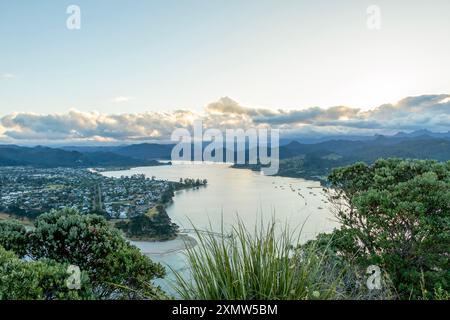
(155, 225)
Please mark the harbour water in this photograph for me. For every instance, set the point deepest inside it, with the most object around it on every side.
(229, 194)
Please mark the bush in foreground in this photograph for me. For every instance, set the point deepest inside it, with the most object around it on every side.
(265, 264)
(37, 280)
(396, 214)
(116, 268)
(13, 236)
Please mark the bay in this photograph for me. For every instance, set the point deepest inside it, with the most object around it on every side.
(231, 194)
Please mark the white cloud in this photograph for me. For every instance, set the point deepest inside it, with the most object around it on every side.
(430, 112)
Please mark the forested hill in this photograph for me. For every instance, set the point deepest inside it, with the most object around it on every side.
(315, 161)
(11, 155)
(297, 159)
(422, 147)
(144, 151)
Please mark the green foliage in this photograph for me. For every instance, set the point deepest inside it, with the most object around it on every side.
(13, 236)
(353, 276)
(51, 158)
(157, 226)
(116, 268)
(316, 160)
(37, 280)
(396, 214)
(437, 294)
(256, 266)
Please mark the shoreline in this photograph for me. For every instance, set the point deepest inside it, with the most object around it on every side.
(321, 179)
(156, 163)
(180, 243)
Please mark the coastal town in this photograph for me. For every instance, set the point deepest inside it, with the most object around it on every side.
(29, 192)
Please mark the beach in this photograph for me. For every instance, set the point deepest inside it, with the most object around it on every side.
(182, 242)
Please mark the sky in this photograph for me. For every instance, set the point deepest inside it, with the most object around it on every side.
(164, 63)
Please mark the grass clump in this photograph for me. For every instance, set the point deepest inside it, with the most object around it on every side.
(268, 263)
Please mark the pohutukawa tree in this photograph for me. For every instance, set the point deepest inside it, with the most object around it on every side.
(396, 214)
(115, 269)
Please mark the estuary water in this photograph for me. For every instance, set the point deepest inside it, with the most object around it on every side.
(232, 193)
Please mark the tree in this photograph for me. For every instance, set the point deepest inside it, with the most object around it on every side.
(37, 280)
(116, 268)
(13, 236)
(157, 226)
(396, 214)
(167, 195)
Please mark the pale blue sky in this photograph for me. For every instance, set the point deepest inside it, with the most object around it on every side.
(163, 55)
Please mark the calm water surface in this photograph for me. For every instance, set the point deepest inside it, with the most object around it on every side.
(231, 193)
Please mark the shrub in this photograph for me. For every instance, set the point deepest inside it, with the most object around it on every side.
(396, 214)
(255, 266)
(353, 276)
(13, 236)
(116, 268)
(37, 280)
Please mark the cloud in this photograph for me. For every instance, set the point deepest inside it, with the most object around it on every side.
(426, 111)
(76, 125)
(430, 112)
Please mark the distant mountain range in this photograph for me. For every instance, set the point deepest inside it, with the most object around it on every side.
(317, 157)
(420, 147)
(144, 151)
(315, 161)
(423, 133)
(11, 155)
(316, 137)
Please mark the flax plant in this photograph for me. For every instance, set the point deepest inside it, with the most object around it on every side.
(268, 263)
